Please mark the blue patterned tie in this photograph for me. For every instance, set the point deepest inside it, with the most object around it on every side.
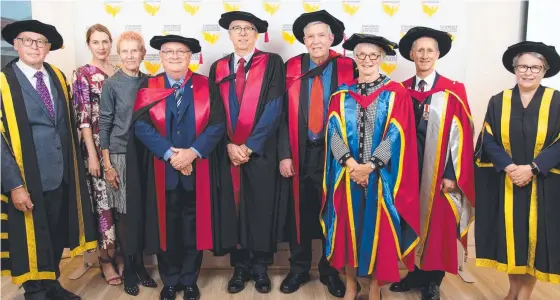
(178, 93)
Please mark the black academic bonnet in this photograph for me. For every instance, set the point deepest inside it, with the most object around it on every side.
(358, 38)
(227, 18)
(11, 31)
(549, 53)
(157, 41)
(337, 26)
(442, 38)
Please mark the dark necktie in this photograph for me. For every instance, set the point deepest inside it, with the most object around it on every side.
(240, 79)
(178, 93)
(43, 92)
(422, 85)
(317, 110)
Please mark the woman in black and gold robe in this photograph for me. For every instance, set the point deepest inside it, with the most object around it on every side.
(518, 174)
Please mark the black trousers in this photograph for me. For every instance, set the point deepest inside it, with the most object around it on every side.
(418, 278)
(56, 204)
(180, 264)
(252, 261)
(310, 206)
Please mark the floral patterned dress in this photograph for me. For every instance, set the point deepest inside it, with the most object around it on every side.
(86, 85)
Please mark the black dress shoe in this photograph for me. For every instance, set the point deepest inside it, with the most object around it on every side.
(262, 282)
(237, 282)
(430, 292)
(191, 292)
(293, 281)
(36, 296)
(402, 286)
(168, 293)
(333, 283)
(59, 293)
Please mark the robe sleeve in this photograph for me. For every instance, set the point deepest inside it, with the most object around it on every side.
(449, 172)
(339, 149)
(548, 159)
(209, 138)
(149, 136)
(269, 119)
(497, 154)
(284, 150)
(11, 175)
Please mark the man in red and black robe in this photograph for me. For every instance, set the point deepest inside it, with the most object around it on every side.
(310, 79)
(445, 149)
(173, 194)
(250, 84)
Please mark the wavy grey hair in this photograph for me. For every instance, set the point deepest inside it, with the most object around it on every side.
(329, 31)
(546, 66)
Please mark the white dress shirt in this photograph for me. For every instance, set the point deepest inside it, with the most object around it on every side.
(430, 79)
(29, 72)
(247, 59)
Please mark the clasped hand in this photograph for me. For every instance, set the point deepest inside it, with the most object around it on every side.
(359, 173)
(182, 160)
(520, 175)
(238, 154)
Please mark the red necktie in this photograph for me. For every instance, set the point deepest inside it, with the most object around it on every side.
(240, 79)
(316, 107)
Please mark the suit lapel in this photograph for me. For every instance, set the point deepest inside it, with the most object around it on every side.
(28, 89)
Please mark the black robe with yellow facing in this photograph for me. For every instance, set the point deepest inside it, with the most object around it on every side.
(517, 228)
(26, 246)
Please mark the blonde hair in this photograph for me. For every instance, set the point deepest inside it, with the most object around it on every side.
(100, 28)
(133, 36)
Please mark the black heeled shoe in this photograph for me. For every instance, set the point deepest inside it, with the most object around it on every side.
(144, 278)
(130, 277)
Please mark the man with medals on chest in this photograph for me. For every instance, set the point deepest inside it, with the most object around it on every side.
(250, 84)
(445, 152)
(45, 207)
(310, 80)
(171, 193)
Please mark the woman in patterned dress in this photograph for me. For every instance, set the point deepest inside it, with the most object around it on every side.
(86, 86)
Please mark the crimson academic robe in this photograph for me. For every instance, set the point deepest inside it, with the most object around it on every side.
(26, 246)
(517, 228)
(146, 208)
(253, 121)
(292, 137)
(445, 217)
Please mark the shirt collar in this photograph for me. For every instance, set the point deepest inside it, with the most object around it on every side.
(29, 71)
(430, 79)
(246, 57)
(173, 81)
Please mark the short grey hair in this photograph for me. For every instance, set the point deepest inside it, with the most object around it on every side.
(435, 41)
(535, 54)
(383, 54)
(329, 31)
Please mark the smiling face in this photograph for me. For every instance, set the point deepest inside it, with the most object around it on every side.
(318, 39)
(131, 54)
(425, 53)
(529, 70)
(100, 45)
(175, 57)
(243, 35)
(33, 54)
(368, 57)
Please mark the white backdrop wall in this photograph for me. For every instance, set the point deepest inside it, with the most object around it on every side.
(482, 30)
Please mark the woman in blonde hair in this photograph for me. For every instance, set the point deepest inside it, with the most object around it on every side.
(117, 101)
(87, 82)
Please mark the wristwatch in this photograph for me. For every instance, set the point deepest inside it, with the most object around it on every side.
(372, 165)
(534, 169)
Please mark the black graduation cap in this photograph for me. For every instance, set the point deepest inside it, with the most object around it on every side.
(11, 31)
(442, 38)
(357, 38)
(157, 41)
(337, 26)
(549, 53)
(227, 18)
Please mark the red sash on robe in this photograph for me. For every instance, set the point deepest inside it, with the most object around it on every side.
(345, 73)
(156, 92)
(247, 111)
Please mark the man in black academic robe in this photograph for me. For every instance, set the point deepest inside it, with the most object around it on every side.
(301, 142)
(45, 207)
(172, 191)
(250, 84)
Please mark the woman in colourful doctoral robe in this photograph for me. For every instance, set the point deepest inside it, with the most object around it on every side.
(370, 212)
(518, 174)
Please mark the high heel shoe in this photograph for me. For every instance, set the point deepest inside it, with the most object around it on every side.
(130, 277)
(117, 280)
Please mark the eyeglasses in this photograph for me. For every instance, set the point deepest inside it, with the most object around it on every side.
(238, 29)
(179, 53)
(372, 56)
(524, 68)
(27, 42)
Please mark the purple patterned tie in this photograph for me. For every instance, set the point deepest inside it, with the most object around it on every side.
(44, 93)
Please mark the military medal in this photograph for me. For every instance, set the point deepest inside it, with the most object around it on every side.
(426, 111)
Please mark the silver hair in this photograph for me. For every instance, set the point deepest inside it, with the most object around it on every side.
(414, 44)
(535, 54)
(329, 31)
(383, 54)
